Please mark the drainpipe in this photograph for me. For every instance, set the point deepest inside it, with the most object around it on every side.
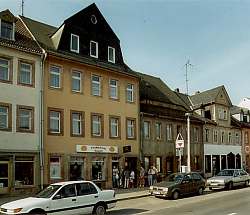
(141, 137)
(41, 144)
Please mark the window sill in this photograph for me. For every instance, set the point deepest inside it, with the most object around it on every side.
(6, 129)
(6, 81)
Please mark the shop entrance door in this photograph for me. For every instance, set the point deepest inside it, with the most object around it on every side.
(4, 176)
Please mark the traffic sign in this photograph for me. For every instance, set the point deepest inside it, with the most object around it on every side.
(179, 142)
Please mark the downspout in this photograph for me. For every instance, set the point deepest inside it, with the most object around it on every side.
(41, 144)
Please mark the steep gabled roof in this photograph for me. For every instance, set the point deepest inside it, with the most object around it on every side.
(208, 96)
(153, 88)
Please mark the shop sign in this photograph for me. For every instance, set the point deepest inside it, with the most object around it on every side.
(126, 149)
(96, 149)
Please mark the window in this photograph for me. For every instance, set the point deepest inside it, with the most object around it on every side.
(113, 89)
(7, 30)
(97, 125)
(222, 114)
(55, 77)
(96, 85)
(222, 137)
(169, 132)
(237, 138)
(77, 123)
(158, 130)
(98, 169)
(229, 137)
(146, 163)
(215, 136)
(207, 135)
(25, 119)
(5, 116)
(85, 189)
(130, 93)
(26, 75)
(24, 171)
(111, 54)
(114, 127)
(55, 119)
(208, 168)
(5, 70)
(196, 134)
(76, 81)
(74, 43)
(158, 164)
(131, 128)
(55, 168)
(94, 49)
(146, 129)
(68, 191)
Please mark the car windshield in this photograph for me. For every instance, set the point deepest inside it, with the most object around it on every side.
(48, 191)
(175, 178)
(226, 172)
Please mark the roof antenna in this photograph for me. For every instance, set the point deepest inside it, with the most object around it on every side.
(22, 7)
(187, 66)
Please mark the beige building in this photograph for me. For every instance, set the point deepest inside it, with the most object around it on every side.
(91, 100)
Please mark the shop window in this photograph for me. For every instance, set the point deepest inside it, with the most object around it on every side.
(208, 164)
(55, 168)
(4, 175)
(24, 172)
(98, 169)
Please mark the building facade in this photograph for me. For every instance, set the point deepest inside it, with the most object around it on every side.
(20, 85)
(222, 135)
(91, 100)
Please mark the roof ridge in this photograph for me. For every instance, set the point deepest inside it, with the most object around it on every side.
(43, 23)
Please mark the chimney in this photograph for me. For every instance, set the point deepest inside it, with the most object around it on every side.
(197, 92)
(177, 90)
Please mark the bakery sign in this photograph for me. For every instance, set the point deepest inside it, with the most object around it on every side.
(96, 149)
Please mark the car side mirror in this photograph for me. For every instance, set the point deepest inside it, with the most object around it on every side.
(57, 196)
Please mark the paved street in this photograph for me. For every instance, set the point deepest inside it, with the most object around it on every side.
(235, 202)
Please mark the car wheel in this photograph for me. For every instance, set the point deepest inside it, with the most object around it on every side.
(200, 191)
(210, 188)
(246, 183)
(230, 186)
(99, 210)
(175, 195)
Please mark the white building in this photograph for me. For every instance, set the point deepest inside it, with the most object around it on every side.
(20, 102)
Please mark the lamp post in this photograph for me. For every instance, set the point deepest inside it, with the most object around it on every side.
(188, 141)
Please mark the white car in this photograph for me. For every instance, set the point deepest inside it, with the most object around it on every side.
(72, 197)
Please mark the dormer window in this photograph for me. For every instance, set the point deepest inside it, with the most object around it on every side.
(7, 30)
(111, 54)
(93, 49)
(74, 43)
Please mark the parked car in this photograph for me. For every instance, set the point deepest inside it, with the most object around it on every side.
(179, 184)
(228, 178)
(72, 197)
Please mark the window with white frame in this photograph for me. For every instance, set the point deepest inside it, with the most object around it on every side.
(207, 135)
(146, 129)
(229, 137)
(76, 118)
(7, 30)
(25, 118)
(4, 69)
(114, 127)
(111, 54)
(76, 81)
(169, 128)
(74, 43)
(158, 130)
(25, 73)
(215, 136)
(113, 89)
(237, 137)
(222, 136)
(54, 121)
(130, 128)
(94, 49)
(222, 114)
(130, 92)
(4, 117)
(96, 85)
(55, 168)
(96, 125)
(55, 77)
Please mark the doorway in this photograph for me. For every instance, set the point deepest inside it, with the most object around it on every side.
(4, 176)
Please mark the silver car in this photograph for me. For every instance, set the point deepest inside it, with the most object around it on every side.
(228, 178)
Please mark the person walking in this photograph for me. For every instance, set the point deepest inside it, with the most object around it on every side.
(115, 177)
(126, 178)
(141, 177)
(150, 176)
(154, 175)
(132, 178)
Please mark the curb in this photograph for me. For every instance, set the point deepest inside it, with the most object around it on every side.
(132, 197)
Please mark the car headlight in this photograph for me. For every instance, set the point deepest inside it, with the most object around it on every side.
(16, 210)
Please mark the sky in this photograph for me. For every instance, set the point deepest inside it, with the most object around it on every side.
(158, 37)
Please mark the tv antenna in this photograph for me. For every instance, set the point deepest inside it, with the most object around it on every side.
(22, 7)
(187, 66)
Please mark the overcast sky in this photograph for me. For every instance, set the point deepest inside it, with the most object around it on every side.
(159, 36)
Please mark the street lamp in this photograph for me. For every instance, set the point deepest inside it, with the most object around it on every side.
(188, 141)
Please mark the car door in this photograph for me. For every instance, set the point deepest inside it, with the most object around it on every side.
(243, 176)
(87, 197)
(186, 186)
(236, 178)
(64, 201)
(197, 182)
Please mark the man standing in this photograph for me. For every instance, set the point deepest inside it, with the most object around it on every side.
(126, 178)
(141, 177)
(115, 177)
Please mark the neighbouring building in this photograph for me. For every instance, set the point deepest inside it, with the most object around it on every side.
(162, 119)
(20, 106)
(91, 100)
(222, 138)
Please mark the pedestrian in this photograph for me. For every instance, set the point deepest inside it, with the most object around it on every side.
(115, 177)
(150, 176)
(141, 177)
(154, 174)
(126, 178)
(132, 178)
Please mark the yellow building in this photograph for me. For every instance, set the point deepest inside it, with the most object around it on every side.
(91, 100)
